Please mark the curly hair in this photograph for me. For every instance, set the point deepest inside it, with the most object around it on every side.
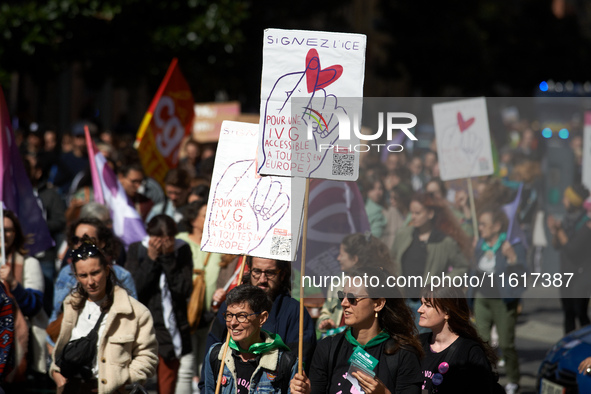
(105, 236)
(452, 301)
(368, 249)
(445, 221)
(395, 318)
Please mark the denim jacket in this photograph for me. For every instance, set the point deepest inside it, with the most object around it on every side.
(261, 380)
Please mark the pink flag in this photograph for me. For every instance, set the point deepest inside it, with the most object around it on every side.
(16, 191)
(127, 223)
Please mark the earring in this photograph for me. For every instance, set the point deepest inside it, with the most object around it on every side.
(376, 315)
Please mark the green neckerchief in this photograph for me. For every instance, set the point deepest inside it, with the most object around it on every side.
(261, 347)
(381, 337)
(496, 246)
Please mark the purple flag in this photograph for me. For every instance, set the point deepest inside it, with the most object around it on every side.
(336, 209)
(514, 233)
(127, 223)
(16, 191)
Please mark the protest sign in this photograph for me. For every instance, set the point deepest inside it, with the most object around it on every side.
(209, 117)
(168, 120)
(247, 213)
(586, 179)
(463, 139)
(315, 136)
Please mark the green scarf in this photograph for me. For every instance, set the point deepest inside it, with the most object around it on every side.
(261, 347)
(496, 246)
(381, 337)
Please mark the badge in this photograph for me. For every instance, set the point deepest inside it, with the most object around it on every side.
(224, 380)
(270, 376)
(443, 367)
(437, 379)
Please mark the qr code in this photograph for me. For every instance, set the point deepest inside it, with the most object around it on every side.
(342, 164)
(280, 245)
(483, 164)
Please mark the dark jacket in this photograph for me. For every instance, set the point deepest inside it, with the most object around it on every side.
(54, 211)
(178, 270)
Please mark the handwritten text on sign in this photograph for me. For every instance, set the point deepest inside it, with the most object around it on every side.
(247, 213)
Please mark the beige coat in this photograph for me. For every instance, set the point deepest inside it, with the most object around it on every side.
(128, 350)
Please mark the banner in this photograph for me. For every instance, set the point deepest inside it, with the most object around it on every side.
(209, 117)
(168, 120)
(247, 213)
(127, 223)
(314, 136)
(16, 191)
(463, 139)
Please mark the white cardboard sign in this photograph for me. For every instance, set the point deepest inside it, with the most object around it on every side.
(463, 139)
(325, 72)
(248, 213)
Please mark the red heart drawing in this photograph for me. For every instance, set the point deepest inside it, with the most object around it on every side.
(464, 124)
(316, 77)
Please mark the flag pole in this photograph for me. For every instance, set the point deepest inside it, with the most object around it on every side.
(302, 273)
(218, 383)
(473, 209)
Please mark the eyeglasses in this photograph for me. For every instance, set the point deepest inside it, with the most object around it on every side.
(270, 274)
(75, 240)
(85, 251)
(352, 298)
(240, 317)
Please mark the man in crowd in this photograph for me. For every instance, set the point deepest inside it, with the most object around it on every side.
(177, 184)
(131, 176)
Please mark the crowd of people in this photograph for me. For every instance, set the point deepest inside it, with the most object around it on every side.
(92, 314)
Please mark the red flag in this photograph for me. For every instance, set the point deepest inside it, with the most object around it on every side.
(168, 121)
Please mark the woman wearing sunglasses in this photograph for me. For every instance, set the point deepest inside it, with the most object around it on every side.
(379, 351)
(256, 360)
(355, 249)
(456, 359)
(126, 344)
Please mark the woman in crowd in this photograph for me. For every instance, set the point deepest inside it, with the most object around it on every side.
(256, 358)
(355, 248)
(456, 359)
(99, 234)
(434, 244)
(162, 268)
(207, 266)
(373, 192)
(23, 277)
(380, 330)
(397, 214)
(461, 210)
(126, 344)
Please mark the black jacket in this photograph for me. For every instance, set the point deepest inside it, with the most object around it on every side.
(178, 270)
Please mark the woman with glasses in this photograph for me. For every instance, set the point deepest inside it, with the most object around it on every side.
(162, 268)
(126, 344)
(379, 351)
(256, 360)
(355, 249)
(456, 359)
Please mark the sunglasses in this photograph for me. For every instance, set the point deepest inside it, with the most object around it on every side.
(85, 251)
(76, 240)
(352, 298)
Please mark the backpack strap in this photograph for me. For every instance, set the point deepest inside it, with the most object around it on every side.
(214, 359)
(286, 362)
